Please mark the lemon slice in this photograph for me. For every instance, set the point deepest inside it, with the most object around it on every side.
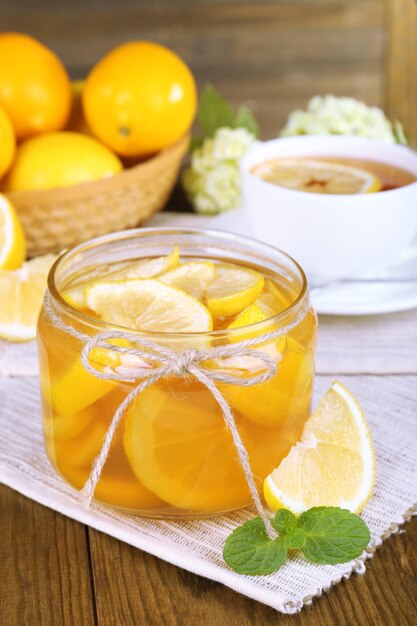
(334, 462)
(316, 176)
(77, 389)
(251, 315)
(271, 300)
(148, 305)
(283, 400)
(12, 237)
(147, 268)
(22, 292)
(193, 277)
(234, 289)
(174, 437)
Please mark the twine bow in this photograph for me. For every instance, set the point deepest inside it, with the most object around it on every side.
(155, 362)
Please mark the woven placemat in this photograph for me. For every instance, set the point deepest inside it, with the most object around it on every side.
(391, 407)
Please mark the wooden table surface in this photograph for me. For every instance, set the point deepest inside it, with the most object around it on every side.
(57, 572)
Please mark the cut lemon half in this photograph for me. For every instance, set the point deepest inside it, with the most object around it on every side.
(147, 268)
(148, 305)
(234, 289)
(194, 277)
(318, 176)
(333, 464)
(12, 237)
(22, 292)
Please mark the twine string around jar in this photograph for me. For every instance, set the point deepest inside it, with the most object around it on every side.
(156, 362)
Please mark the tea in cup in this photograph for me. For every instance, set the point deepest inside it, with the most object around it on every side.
(342, 206)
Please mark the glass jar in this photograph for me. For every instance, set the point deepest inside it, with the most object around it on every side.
(172, 455)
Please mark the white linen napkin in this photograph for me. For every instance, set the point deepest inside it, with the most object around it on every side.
(390, 405)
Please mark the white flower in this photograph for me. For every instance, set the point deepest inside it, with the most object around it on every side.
(212, 180)
(330, 115)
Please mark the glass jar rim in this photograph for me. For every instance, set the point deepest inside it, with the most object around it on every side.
(103, 326)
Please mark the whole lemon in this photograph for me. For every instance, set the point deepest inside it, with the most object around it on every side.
(140, 98)
(60, 159)
(7, 142)
(35, 88)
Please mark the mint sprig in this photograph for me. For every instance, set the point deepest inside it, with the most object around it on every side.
(248, 550)
(333, 535)
(215, 112)
(325, 535)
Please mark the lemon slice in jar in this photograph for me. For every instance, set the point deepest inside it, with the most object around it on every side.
(318, 176)
(179, 447)
(334, 462)
(148, 305)
(234, 289)
(194, 277)
(284, 399)
(147, 268)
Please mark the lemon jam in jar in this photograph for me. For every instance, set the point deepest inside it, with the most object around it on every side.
(161, 294)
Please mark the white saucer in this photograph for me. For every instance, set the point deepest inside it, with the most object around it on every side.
(389, 291)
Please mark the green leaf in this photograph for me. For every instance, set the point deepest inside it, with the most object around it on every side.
(296, 539)
(248, 550)
(284, 522)
(333, 535)
(244, 119)
(196, 142)
(214, 112)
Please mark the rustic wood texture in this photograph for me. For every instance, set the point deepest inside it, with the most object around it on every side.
(402, 64)
(274, 55)
(44, 566)
(136, 588)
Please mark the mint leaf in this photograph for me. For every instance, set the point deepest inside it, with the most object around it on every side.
(284, 522)
(245, 119)
(332, 535)
(249, 550)
(295, 540)
(214, 112)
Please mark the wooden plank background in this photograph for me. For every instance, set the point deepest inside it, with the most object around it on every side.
(273, 55)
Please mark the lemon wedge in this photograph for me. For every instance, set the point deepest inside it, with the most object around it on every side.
(193, 277)
(318, 176)
(12, 237)
(22, 292)
(148, 305)
(234, 289)
(147, 268)
(333, 464)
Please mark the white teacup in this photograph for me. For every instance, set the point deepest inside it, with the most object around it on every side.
(332, 236)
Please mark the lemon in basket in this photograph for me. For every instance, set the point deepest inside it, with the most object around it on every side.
(35, 88)
(7, 142)
(60, 159)
(140, 98)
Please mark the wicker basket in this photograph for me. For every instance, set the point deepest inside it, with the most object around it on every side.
(58, 218)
